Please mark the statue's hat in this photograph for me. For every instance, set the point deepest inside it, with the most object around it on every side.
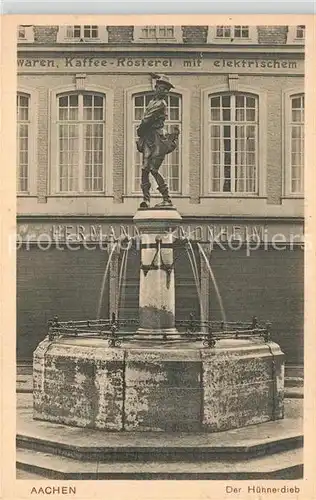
(165, 81)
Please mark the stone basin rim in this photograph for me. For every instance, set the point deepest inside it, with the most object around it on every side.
(173, 345)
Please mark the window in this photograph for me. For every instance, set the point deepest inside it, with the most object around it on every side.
(157, 34)
(300, 32)
(161, 32)
(82, 33)
(81, 142)
(25, 33)
(21, 33)
(296, 144)
(232, 31)
(23, 142)
(296, 34)
(171, 167)
(233, 138)
(232, 34)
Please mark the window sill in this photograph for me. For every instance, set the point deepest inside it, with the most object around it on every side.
(80, 195)
(233, 196)
(157, 40)
(155, 196)
(293, 197)
(71, 40)
(299, 41)
(241, 41)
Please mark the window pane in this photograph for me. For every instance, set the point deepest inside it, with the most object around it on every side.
(162, 31)
(63, 101)
(240, 115)
(174, 114)
(240, 101)
(215, 102)
(215, 114)
(226, 115)
(139, 101)
(98, 101)
(21, 32)
(98, 114)
(73, 101)
(250, 115)
(296, 103)
(24, 101)
(63, 114)
(70, 31)
(139, 112)
(87, 100)
(174, 101)
(250, 102)
(226, 129)
(226, 101)
(87, 32)
(87, 114)
(77, 31)
(152, 32)
(215, 131)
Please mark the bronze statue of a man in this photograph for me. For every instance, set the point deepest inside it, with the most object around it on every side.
(155, 142)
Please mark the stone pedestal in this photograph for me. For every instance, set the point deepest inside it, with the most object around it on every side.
(171, 387)
(157, 285)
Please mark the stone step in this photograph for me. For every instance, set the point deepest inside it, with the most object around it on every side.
(294, 392)
(293, 382)
(283, 465)
(294, 371)
(24, 383)
(163, 453)
(167, 452)
(91, 444)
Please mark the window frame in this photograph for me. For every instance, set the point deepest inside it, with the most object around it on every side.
(29, 34)
(107, 141)
(129, 148)
(213, 38)
(261, 144)
(286, 142)
(292, 35)
(63, 38)
(177, 35)
(32, 142)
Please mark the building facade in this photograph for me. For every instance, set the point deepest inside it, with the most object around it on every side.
(236, 177)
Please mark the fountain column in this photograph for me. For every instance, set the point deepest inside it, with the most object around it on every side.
(157, 281)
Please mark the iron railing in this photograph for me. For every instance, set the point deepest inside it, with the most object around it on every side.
(114, 330)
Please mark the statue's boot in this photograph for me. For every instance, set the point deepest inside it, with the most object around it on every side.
(145, 185)
(163, 189)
